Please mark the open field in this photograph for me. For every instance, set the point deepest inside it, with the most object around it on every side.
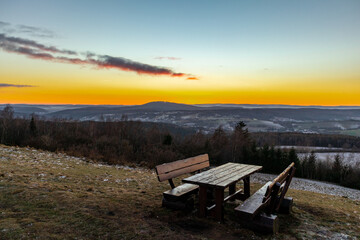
(47, 195)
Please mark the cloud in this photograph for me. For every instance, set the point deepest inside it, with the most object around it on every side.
(168, 58)
(192, 78)
(124, 64)
(4, 24)
(25, 29)
(4, 85)
(35, 50)
(35, 31)
(30, 43)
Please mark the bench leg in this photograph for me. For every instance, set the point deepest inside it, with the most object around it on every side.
(247, 187)
(219, 201)
(267, 223)
(286, 205)
(202, 200)
(184, 205)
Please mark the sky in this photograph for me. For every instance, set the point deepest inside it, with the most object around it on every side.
(137, 51)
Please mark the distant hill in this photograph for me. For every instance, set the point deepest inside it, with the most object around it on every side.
(26, 109)
(207, 117)
(167, 106)
(252, 106)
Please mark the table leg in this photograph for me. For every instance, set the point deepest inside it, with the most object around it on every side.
(202, 200)
(219, 201)
(247, 187)
(232, 190)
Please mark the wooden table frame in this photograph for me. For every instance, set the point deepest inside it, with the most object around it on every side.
(218, 179)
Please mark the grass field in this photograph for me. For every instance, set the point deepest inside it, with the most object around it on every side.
(54, 196)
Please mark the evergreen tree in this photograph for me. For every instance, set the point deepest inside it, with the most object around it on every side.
(167, 139)
(32, 126)
(311, 165)
(264, 158)
(337, 169)
(239, 140)
(292, 157)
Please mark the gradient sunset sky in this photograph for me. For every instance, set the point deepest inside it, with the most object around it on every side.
(133, 52)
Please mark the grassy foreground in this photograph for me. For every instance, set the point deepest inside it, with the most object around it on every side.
(46, 195)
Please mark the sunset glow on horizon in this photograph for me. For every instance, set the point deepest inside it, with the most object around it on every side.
(126, 53)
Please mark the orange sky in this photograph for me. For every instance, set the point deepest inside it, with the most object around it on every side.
(68, 84)
(301, 53)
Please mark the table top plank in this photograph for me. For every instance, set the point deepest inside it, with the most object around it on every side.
(231, 174)
(224, 175)
(206, 174)
(235, 168)
(228, 181)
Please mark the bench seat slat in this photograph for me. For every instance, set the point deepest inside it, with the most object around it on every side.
(181, 190)
(253, 204)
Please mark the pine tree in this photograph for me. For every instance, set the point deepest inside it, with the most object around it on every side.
(32, 126)
(337, 169)
(311, 165)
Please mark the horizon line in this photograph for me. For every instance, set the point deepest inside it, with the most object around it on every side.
(254, 104)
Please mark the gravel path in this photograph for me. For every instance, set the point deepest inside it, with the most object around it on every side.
(312, 186)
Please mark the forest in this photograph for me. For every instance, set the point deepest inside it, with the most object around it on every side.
(136, 143)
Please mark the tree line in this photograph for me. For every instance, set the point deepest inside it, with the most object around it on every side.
(137, 143)
(302, 139)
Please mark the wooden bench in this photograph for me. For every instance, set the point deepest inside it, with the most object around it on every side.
(180, 197)
(258, 211)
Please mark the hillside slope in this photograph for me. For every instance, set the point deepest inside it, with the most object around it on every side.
(48, 195)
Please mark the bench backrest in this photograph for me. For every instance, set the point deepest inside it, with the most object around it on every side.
(171, 170)
(276, 191)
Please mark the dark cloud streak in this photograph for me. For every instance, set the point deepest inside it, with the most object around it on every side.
(31, 43)
(35, 31)
(29, 30)
(3, 85)
(124, 64)
(36, 50)
(4, 24)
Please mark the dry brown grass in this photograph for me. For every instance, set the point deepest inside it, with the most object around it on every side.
(53, 196)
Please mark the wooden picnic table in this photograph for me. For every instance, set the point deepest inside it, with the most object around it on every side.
(218, 179)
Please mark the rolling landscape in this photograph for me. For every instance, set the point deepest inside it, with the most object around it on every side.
(258, 118)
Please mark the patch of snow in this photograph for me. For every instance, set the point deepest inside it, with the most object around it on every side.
(348, 158)
(309, 148)
(338, 125)
(311, 185)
